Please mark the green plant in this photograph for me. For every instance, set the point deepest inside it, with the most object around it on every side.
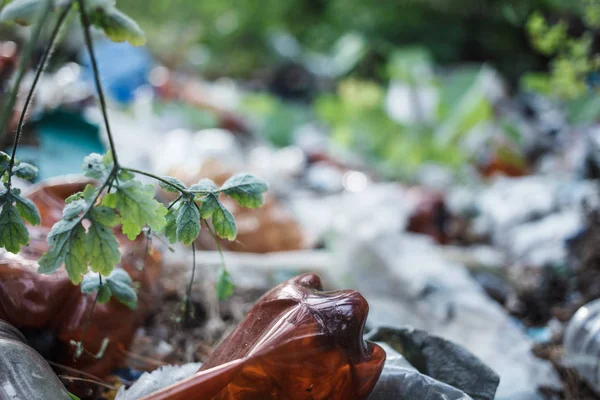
(118, 198)
(572, 58)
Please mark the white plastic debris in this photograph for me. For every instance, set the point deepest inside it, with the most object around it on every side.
(407, 281)
(152, 381)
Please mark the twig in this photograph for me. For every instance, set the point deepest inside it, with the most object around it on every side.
(89, 318)
(158, 178)
(73, 378)
(189, 289)
(38, 74)
(25, 58)
(85, 23)
(73, 370)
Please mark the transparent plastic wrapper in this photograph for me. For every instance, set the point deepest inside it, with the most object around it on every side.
(446, 371)
(297, 342)
(51, 303)
(24, 374)
(582, 343)
(407, 281)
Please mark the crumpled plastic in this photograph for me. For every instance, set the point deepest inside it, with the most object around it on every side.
(424, 367)
(296, 343)
(53, 303)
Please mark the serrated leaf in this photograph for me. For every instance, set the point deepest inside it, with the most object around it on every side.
(73, 197)
(13, 233)
(125, 175)
(27, 210)
(224, 285)
(90, 283)
(66, 246)
(138, 208)
(4, 160)
(110, 200)
(74, 208)
(104, 294)
(209, 205)
(25, 171)
(188, 222)
(117, 26)
(120, 283)
(101, 248)
(204, 186)
(224, 223)
(105, 216)
(171, 226)
(175, 186)
(94, 167)
(246, 189)
(22, 12)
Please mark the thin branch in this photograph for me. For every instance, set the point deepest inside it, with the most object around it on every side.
(85, 23)
(38, 74)
(216, 240)
(73, 370)
(158, 178)
(26, 56)
(73, 378)
(89, 318)
(189, 289)
(170, 205)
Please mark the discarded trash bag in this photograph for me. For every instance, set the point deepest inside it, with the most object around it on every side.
(429, 368)
(24, 372)
(296, 343)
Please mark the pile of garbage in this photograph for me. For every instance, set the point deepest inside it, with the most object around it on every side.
(461, 282)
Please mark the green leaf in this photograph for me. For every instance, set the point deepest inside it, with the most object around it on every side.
(110, 200)
(188, 222)
(138, 208)
(224, 285)
(205, 186)
(73, 197)
(25, 171)
(72, 396)
(105, 216)
(104, 295)
(4, 160)
(27, 210)
(117, 26)
(175, 186)
(66, 242)
(209, 206)
(102, 248)
(171, 226)
(120, 283)
(224, 223)
(90, 283)
(22, 12)
(125, 175)
(94, 167)
(13, 233)
(246, 189)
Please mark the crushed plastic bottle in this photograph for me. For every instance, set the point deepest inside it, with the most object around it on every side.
(582, 343)
(296, 343)
(24, 374)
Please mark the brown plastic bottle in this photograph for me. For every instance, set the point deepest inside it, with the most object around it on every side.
(24, 374)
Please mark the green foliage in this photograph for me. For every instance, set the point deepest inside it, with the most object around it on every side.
(137, 207)
(572, 58)
(224, 285)
(117, 284)
(246, 189)
(117, 26)
(188, 222)
(103, 14)
(15, 208)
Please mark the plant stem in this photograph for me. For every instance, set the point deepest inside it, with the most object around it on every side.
(188, 294)
(36, 79)
(89, 318)
(172, 204)
(158, 178)
(25, 58)
(85, 22)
